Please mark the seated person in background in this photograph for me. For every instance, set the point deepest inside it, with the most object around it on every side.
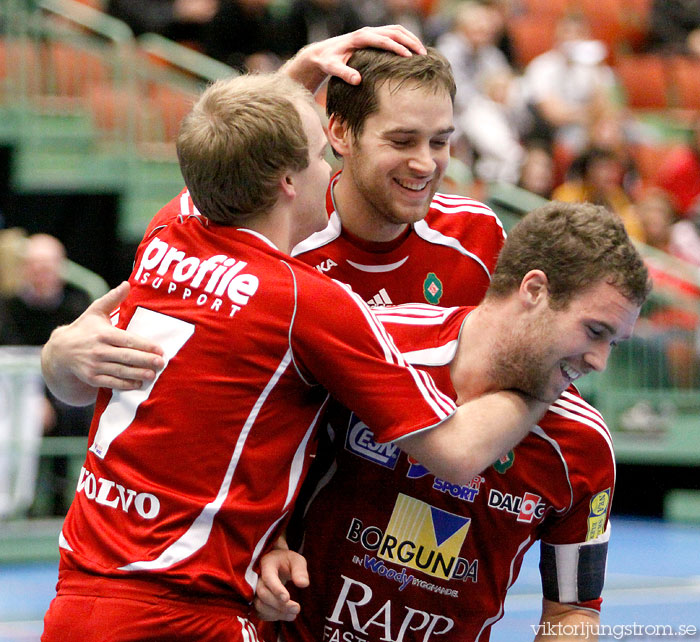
(495, 121)
(407, 13)
(654, 211)
(679, 173)
(685, 239)
(674, 27)
(610, 129)
(662, 229)
(310, 21)
(595, 179)
(471, 48)
(248, 35)
(43, 302)
(179, 20)
(569, 83)
(537, 171)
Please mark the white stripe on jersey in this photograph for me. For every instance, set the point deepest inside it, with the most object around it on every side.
(413, 314)
(317, 239)
(185, 204)
(250, 575)
(197, 534)
(299, 458)
(427, 233)
(449, 203)
(430, 384)
(438, 356)
(425, 315)
(575, 408)
(248, 631)
(377, 269)
(584, 407)
(553, 442)
(572, 407)
(441, 405)
(258, 235)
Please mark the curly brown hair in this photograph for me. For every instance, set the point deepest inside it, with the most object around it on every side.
(576, 245)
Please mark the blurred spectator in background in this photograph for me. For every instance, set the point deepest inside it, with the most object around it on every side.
(11, 243)
(314, 20)
(408, 13)
(609, 130)
(685, 240)
(679, 173)
(595, 178)
(654, 211)
(674, 27)
(673, 319)
(180, 20)
(494, 123)
(470, 46)
(537, 171)
(570, 83)
(42, 302)
(506, 10)
(249, 36)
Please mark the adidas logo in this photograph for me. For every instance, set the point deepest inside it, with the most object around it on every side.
(381, 298)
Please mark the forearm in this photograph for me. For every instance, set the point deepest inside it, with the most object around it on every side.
(476, 435)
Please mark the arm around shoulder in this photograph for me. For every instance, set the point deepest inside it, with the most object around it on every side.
(475, 436)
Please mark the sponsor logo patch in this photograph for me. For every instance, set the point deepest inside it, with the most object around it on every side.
(597, 515)
(359, 440)
(423, 537)
(465, 492)
(525, 507)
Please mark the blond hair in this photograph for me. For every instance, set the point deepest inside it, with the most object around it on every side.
(240, 137)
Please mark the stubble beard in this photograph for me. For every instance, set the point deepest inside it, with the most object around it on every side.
(382, 208)
(521, 363)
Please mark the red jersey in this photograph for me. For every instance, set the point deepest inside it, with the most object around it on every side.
(187, 481)
(397, 554)
(446, 259)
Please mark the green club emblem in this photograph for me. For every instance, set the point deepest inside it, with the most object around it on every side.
(432, 288)
(505, 462)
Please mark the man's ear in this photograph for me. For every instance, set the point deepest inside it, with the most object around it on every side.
(287, 186)
(339, 136)
(534, 288)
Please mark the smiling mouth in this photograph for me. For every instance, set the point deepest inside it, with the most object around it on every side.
(413, 186)
(569, 372)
